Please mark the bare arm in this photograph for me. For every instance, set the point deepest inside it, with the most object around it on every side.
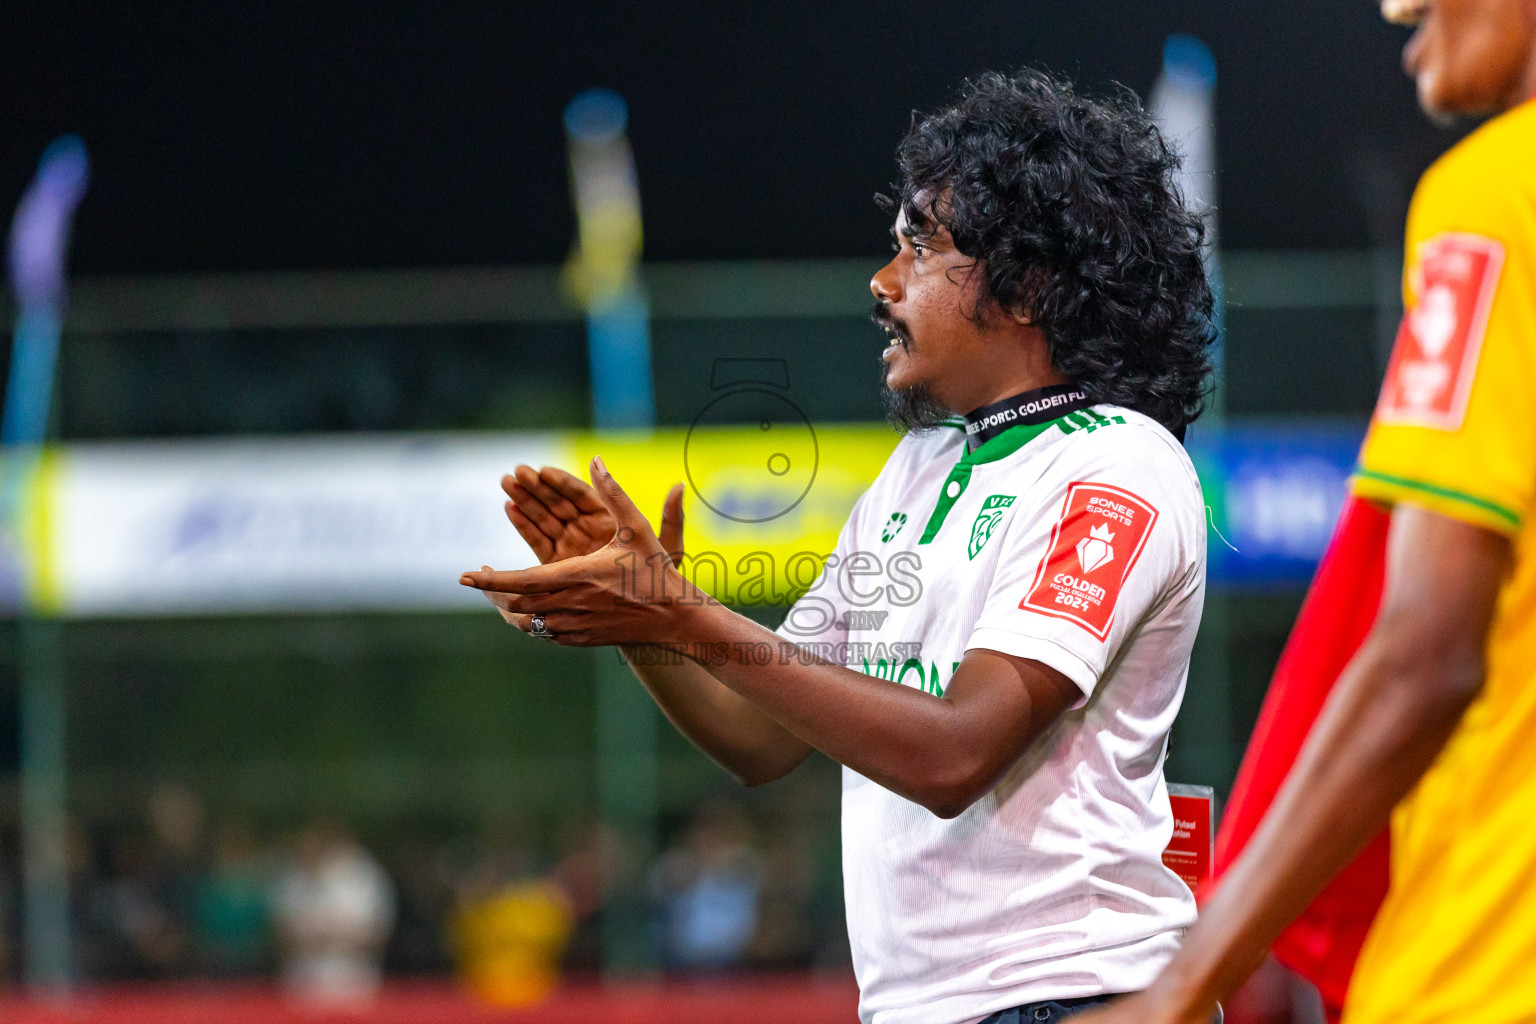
(941, 752)
(732, 730)
(561, 517)
(1390, 714)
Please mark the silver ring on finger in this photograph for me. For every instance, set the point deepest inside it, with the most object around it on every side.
(538, 628)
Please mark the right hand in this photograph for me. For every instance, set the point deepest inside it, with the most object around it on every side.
(561, 516)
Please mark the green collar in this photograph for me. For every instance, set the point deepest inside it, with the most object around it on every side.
(1000, 447)
(1008, 442)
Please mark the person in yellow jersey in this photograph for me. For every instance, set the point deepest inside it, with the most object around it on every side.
(1435, 715)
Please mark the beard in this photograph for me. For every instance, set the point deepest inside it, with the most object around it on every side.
(912, 410)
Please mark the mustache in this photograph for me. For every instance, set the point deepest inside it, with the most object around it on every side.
(881, 315)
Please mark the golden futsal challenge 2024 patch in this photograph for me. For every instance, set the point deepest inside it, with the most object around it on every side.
(1094, 544)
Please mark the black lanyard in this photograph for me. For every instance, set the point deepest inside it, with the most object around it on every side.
(1027, 409)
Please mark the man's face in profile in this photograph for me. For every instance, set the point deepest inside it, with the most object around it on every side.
(926, 301)
(1468, 56)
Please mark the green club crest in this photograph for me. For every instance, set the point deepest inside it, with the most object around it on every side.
(986, 521)
(893, 526)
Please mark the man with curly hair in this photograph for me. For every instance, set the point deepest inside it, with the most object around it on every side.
(1035, 549)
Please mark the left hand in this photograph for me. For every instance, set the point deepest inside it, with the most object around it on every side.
(557, 514)
(622, 593)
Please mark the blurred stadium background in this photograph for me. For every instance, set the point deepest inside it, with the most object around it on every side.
(326, 287)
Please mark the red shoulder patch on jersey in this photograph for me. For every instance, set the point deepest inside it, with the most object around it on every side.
(1094, 544)
(1453, 278)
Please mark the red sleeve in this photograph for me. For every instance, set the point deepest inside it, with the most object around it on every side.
(1324, 942)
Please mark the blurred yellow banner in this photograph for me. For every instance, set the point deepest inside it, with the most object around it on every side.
(763, 507)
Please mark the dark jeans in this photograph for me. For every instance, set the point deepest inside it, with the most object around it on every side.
(1047, 1012)
(1053, 1010)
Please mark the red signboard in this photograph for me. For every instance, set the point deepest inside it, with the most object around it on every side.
(1193, 845)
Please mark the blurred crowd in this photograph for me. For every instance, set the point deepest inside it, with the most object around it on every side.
(178, 893)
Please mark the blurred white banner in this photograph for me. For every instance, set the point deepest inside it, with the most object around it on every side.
(212, 527)
(207, 527)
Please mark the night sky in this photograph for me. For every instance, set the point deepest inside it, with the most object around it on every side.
(343, 134)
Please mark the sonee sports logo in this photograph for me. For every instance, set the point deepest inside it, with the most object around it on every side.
(893, 526)
(1094, 544)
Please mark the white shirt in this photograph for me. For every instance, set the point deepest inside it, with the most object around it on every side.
(1080, 544)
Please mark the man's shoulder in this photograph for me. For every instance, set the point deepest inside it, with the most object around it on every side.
(1502, 146)
(1105, 436)
(1488, 169)
(1127, 450)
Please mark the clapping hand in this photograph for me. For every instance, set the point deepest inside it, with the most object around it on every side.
(558, 514)
(562, 517)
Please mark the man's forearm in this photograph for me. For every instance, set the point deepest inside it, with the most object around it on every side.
(1377, 735)
(1390, 714)
(735, 733)
(929, 749)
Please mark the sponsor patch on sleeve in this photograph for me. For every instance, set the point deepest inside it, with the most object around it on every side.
(1453, 279)
(1094, 544)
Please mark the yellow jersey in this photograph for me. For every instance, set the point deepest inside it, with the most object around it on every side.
(1455, 432)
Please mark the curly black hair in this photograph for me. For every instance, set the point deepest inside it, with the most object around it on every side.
(1071, 205)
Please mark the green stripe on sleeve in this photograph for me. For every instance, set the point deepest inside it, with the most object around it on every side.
(1493, 508)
